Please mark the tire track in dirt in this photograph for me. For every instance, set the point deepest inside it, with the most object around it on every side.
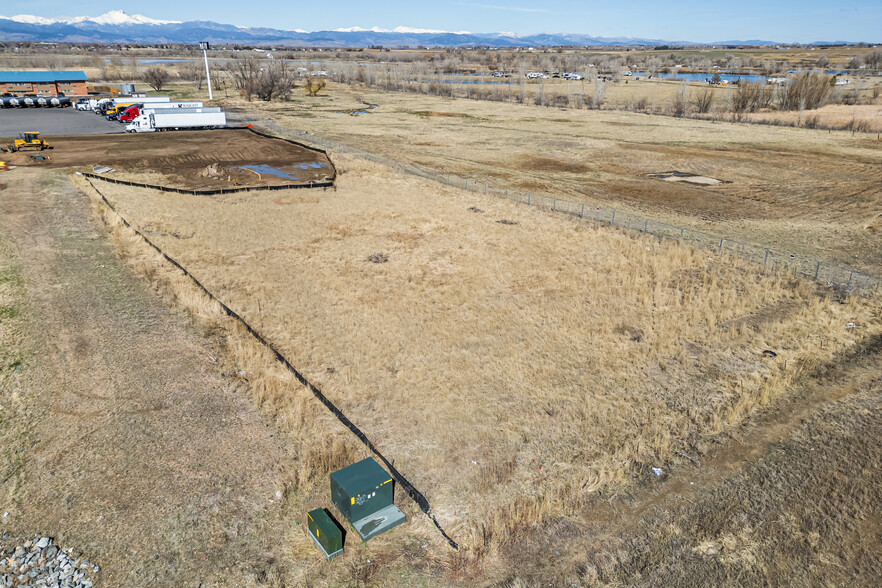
(144, 455)
(624, 536)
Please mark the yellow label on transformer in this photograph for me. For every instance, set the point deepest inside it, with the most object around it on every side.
(387, 481)
(310, 516)
(317, 532)
(353, 500)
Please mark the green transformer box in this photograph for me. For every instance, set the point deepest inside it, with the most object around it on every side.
(363, 494)
(325, 532)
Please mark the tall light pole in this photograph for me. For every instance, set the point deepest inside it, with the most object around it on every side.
(205, 47)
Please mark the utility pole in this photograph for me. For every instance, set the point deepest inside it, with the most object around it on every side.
(205, 47)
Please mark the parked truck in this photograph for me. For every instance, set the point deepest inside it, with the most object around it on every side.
(177, 119)
(114, 106)
(136, 110)
(114, 110)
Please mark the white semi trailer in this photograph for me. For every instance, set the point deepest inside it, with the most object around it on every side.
(161, 108)
(168, 120)
(140, 99)
(194, 104)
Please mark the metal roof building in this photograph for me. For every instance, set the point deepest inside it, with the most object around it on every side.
(20, 83)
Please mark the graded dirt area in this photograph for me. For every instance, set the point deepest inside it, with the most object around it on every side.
(223, 158)
(121, 435)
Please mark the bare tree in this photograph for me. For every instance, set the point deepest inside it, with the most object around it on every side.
(156, 78)
(244, 71)
(195, 73)
(540, 94)
(273, 81)
(276, 80)
(704, 100)
(599, 96)
(680, 101)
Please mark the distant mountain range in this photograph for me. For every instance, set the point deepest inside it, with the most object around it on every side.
(118, 27)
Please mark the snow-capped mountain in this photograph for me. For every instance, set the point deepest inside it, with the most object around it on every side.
(399, 30)
(114, 17)
(117, 26)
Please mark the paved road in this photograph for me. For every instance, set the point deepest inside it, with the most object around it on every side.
(54, 121)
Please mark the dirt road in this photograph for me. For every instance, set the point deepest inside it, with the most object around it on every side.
(121, 435)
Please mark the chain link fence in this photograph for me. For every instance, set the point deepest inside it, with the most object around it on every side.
(772, 260)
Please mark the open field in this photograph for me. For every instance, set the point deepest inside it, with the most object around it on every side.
(596, 354)
(238, 157)
(816, 193)
(581, 405)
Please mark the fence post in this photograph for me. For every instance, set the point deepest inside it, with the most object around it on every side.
(485, 187)
(720, 249)
(582, 214)
(817, 270)
(645, 225)
(766, 258)
(554, 205)
(506, 193)
(682, 231)
(529, 198)
(850, 276)
(612, 221)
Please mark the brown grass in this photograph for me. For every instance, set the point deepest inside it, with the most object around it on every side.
(511, 371)
(786, 188)
(863, 118)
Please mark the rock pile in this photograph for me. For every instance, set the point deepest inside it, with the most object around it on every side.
(37, 563)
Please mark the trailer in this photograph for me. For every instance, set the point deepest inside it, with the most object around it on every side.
(140, 99)
(136, 110)
(180, 119)
(191, 104)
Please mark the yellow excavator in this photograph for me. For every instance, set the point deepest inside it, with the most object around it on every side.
(29, 142)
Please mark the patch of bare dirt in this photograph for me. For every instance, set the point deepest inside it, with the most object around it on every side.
(186, 156)
(550, 164)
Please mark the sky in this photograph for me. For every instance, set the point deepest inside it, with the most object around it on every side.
(685, 20)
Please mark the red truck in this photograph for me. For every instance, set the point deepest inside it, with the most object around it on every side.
(135, 110)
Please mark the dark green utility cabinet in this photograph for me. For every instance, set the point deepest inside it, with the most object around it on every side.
(363, 493)
(325, 532)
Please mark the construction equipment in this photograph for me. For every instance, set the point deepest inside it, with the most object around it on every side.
(30, 141)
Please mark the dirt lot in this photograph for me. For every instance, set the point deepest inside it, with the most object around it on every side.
(811, 192)
(189, 159)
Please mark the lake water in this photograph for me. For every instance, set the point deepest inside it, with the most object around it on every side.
(701, 77)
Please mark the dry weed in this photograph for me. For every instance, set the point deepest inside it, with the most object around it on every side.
(511, 371)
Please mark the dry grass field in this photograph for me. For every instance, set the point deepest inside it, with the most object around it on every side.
(811, 192)
(514, 371)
